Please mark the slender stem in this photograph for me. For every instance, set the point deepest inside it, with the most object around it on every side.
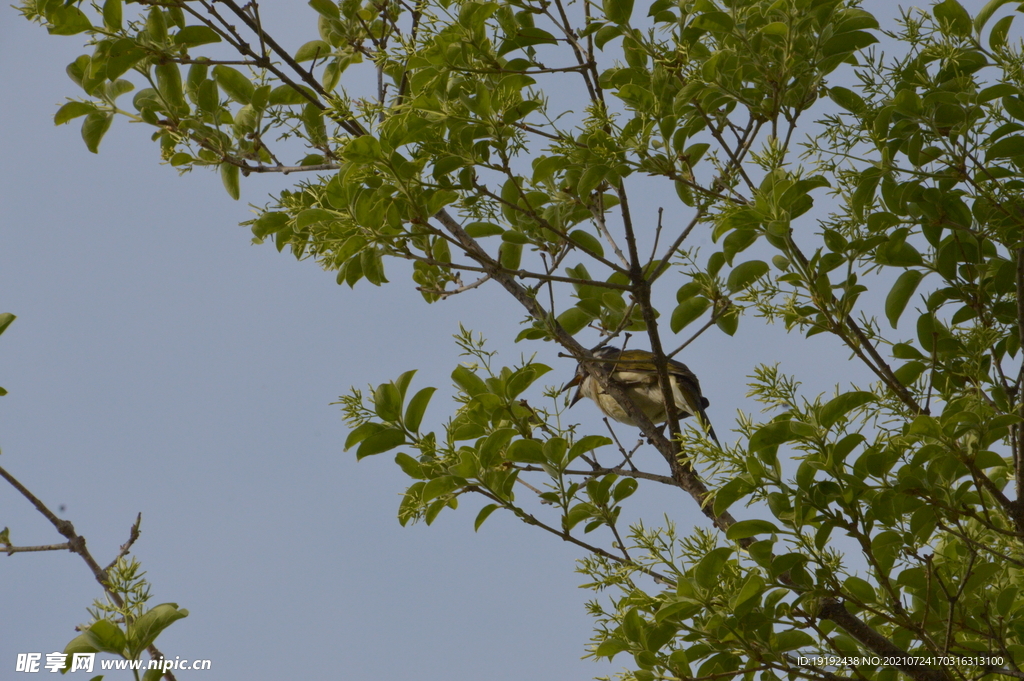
(530, 519)
(671, 251)
(10, 550)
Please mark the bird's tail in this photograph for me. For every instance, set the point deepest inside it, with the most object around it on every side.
(706, 422)
(695, 403)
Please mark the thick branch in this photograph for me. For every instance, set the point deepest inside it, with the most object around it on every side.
(835, 611)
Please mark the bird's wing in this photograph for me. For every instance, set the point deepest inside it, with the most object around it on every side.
(695, 402)
(633, 367)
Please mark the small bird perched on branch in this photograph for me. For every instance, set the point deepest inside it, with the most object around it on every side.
(636, 372)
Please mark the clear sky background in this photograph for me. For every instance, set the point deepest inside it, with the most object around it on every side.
(162, 364)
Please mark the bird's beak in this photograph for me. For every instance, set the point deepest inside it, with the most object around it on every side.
(577, 382)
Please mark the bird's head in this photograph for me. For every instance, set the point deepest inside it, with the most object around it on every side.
(606, 352)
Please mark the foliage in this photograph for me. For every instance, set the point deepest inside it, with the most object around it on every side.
(125, 603)
(506, 139)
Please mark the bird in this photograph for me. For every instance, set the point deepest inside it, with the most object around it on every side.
(636, 372)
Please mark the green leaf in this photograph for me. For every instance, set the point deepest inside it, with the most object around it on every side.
(478, 230)
(373, 266)
(997, 37)
(719, 22)
(792, 639)
(387, 402)
(229, 176)
(314, 49)
(363, 149)
(526, 36)
(514, 237)
(610, 648)
(587, 443)
(1006, 147)
(94, 127)
(484, 513)
(439, 486)
(72, 110)
(750, 528)
(361, 432)
(952, 17)
(325, 8)
(707, 571)
(885, 547)
(618, 11)
(909, 372)
(848, 99)
(112, 15)
(839, 406)
(753, 587)
(771, 435)
(234, 83)
(577, 514)
(924, 424)
(860, 589)
(848, 42)
(312, 216)
(525, 451)
(168, 84)
(687, 291)
(5, 320)
(381, 441)
(156, 25)
(729, 321)
(403, 382)
(493, 445)
(68, 20)
(587, 241)
(417, 406)
(574, 320)
(269, 223)
(730, 493)
(687, 311)
(607, 33)
(591, 179)
(208, 96)
(625, 489)
(510, 256)
(190, 36)
(745, 274)
(467, 379)
(79, 644)
(900, 294)
(124, 54)
(410, 466)
(286, 95)
(106, 637)
(986, 12)
(144, 630)
(313, 122)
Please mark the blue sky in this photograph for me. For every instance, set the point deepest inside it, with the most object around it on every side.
(162, 364)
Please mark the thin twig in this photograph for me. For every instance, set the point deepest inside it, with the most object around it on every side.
(133, 535)
(10, 550)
